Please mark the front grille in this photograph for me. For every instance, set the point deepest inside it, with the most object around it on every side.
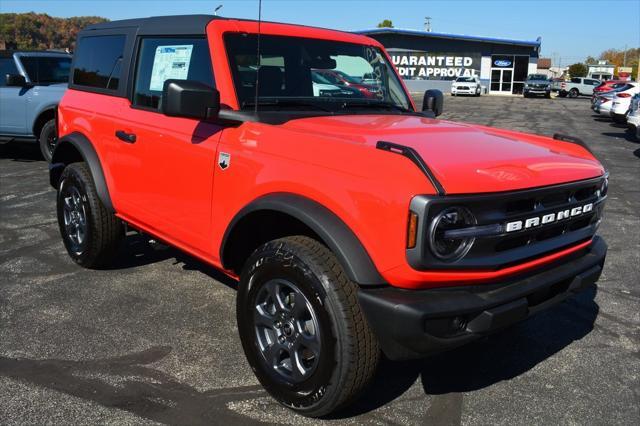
(499, 248)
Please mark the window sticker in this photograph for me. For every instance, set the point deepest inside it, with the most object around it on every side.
(170, 62)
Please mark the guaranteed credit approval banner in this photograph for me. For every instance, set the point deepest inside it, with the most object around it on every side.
(418, 65)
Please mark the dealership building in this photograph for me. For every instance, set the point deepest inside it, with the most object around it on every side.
(428, 60)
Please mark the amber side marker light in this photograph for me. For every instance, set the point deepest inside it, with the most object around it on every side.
(412, 230)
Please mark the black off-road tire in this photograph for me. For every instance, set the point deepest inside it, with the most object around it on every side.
(103, 231)
(349, 351)
(47, 139)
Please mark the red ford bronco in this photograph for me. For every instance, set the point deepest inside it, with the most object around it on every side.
(356, 225)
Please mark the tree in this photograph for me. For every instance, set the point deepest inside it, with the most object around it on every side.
(591, 60)
(386, 24)
(578, 70)
(41, 31)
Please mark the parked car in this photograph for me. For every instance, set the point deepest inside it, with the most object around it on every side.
(31, 85)
(603, 104)
(577, 86)
(608, 85)
(466, 86)
(355, 226)
(341, 78)
(537, 84)
(621, 102)
(633, 119)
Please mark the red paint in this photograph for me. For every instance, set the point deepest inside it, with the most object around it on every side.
(168, 183)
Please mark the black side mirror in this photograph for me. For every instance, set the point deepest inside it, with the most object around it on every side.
(433, 102)
(15, 80)
(192, 99)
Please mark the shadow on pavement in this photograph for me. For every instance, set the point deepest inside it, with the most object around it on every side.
(129, 383)
(138, 250)
(493, 359)
(622, 135)
(23, 151)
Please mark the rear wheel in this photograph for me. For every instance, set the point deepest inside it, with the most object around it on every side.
(47, 139)
(573, 93)
(90, 233)
(301, 327)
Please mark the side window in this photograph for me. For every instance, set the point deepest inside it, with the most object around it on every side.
(161, 59)
(99, 61)
(576, 80)
(7, 66)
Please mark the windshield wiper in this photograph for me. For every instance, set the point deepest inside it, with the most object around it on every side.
(286, 103)
(374, 105)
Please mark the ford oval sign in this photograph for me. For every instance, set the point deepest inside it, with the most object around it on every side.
(502, 63)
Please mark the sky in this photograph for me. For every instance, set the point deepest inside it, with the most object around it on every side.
(570, 29)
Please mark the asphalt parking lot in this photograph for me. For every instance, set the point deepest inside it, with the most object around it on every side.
(154, 338)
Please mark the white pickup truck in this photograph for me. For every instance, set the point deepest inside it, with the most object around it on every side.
(575, 87)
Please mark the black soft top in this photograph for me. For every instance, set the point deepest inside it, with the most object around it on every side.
(159, 25)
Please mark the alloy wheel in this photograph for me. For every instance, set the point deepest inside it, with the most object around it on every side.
(75, 217)
(287, 330)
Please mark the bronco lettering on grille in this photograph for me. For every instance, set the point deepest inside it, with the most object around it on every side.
(518, 225)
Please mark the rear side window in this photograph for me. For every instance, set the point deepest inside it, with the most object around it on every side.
(46, 69)
(161, 59)
(576, 80)
(98, 62)
(7, 66)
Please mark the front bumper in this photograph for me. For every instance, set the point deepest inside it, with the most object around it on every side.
(536, 91)
(469, 91)
(412, 324)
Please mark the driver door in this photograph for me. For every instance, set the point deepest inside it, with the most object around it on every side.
(176, 155)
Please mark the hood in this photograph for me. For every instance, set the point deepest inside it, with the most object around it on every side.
(465, 158)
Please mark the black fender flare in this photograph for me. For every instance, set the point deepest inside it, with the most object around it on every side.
(340, 239)
(65, 153)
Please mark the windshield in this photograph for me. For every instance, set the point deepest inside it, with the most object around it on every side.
(47, 69)
(465, 80)
(306, 73)
(537, 77)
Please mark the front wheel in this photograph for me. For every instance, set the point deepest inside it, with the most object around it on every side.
(47, 139)
(301, 327)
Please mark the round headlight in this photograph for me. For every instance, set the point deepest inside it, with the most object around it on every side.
(447, 248)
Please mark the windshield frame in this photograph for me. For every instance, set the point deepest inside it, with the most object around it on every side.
(323, 102)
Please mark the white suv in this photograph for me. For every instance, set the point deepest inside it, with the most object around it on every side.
(622, 102)
(633, 119)
(466, 86)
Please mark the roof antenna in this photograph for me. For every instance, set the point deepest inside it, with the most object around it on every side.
(215, 11)
(255, 110)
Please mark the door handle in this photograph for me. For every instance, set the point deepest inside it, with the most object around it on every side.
(126, 137)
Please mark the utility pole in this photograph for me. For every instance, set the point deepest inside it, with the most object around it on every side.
(624, 61)
(427, 24)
